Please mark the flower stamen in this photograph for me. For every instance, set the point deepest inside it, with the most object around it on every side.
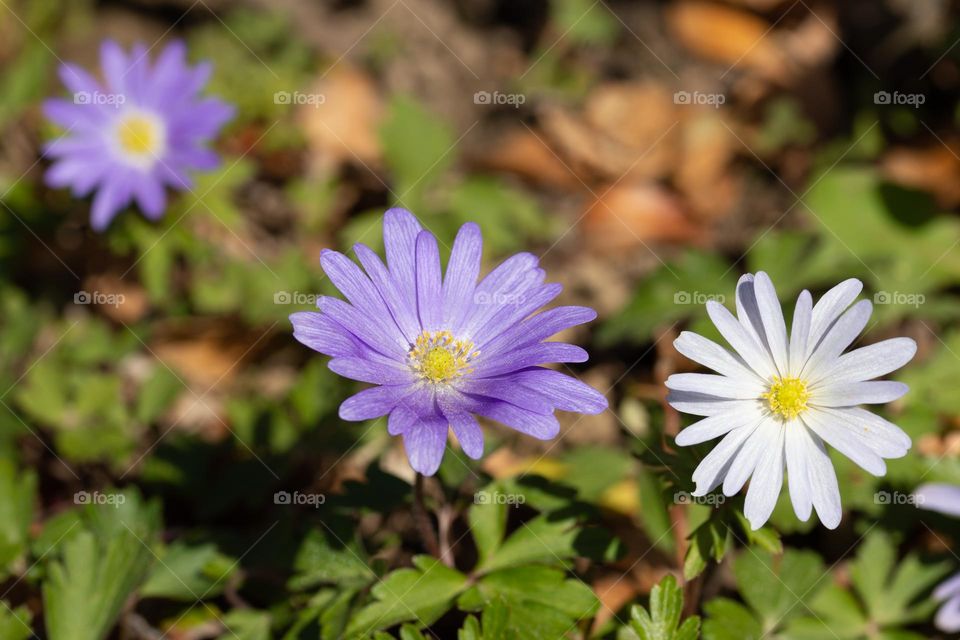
(140, 138)
(438, 357)
(787, 397)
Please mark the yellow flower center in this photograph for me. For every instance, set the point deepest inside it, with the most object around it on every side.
(138, 135)
(787, 397)
(438, 357)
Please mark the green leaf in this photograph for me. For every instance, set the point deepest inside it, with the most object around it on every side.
(666, 608)
(18, 491)
(188, 573)
(317, 562)
(729, 620)
(94, 571)
(15, 623)
(776, 587)
(488, 522)
(417, 147)
(423, 593)
(545, 539)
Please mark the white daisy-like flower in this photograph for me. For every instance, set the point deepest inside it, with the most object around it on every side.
(778, 398)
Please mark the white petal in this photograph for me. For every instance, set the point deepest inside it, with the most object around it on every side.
(840, 336)
(795, 448)
(773, 323)
(822, 480)
(766, 482)
(714, 385)
(882, 434)
(943, 498)
(748, 312)
(948, 616)
(709, 473)
(844, 440)
(800, 331)
(699, 404)
(853, 393)
(743, 342)
(710, 354)
(829, 308)
(742, 413)
(748, 457)
(883, 438)
(870, 362)
(948, 588)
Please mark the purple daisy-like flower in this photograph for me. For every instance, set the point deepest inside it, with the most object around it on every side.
(944, 498)
(442, 347)
(140, 131)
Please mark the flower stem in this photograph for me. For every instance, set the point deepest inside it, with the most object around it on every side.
(422, 519)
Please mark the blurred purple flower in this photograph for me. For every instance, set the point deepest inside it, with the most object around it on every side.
(944, 498)
(442, 347)
(140, 131)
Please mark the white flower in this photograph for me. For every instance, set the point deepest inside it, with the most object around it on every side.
(944, 498)
(778, 398)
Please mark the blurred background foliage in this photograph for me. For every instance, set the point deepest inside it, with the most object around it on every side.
(648, 152)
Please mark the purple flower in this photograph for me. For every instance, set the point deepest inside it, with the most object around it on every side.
(441, 348)
(944, 498)
(140, 131)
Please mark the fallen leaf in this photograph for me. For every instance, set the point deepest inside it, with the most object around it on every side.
(727, 35)
(525, 154)
(934, 169)
(627, 216)
(341, 125)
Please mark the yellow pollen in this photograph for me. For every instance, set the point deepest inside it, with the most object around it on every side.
(439, 357)
(138, 135)
(787, 397)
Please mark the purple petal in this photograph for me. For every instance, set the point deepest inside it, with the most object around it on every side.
(508, 390)
(510, 314)
(115, 66)
(425, 443)
(429, 300)
(401, 309)
(358, 289)
(372, 333)
(465, 427)
(400, 229)
(321, 333)
(942, 498)
(400, 420)
(374, 402)
(541, 427)
(539, 327)
(150, 196)
(110, 199)
(77, 80)
(543, 353)
(461, 278)
(565, 392)
(364, 370)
